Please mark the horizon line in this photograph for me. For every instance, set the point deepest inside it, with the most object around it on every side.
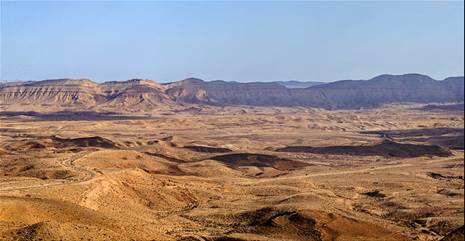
(229, 81)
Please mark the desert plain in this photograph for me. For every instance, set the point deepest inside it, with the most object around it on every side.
(233, 173)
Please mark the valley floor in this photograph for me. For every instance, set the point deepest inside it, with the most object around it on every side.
(229, 174)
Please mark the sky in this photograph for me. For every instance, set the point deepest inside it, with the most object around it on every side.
(233, 41)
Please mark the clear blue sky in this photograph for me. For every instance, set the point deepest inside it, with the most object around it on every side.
(240, 41)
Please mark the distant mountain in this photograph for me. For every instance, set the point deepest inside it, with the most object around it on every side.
(344, 94)
(83, 94)
(63, 92)
(10, 83)
(229, 93)
(294, 84)
(450, 107)
(390, 89)
(137, 94)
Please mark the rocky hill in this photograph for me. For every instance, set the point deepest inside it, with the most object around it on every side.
(140, 94)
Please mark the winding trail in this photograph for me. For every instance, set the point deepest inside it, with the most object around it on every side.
(67, 163)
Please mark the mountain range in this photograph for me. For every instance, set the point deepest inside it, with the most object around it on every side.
(139, 94)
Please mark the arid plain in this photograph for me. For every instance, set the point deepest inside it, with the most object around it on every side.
(233, 173)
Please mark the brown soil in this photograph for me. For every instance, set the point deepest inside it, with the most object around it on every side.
(134, 179)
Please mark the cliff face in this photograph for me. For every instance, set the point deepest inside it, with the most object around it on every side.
(229, 93)
(83, 94)
(142, 94)
(455, 86)
(146, 94)
(51, 92)
(342, 94)
(390, 89)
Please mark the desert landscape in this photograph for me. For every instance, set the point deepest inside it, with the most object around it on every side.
(138, 160)
(226, 120)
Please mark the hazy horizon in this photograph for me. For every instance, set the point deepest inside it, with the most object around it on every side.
(231, 41)
(208, 80)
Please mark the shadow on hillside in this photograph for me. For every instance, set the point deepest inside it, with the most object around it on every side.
(72, 116)
(451, 138)
(386, 148)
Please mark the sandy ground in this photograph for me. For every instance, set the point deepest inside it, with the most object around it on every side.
(145, 177)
